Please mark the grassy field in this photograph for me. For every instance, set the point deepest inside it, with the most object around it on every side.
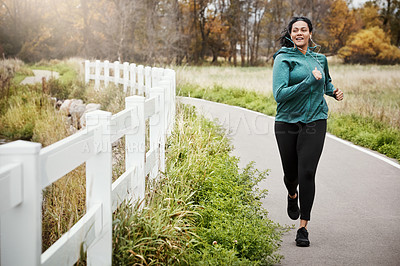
(370, 90)
(369, 115)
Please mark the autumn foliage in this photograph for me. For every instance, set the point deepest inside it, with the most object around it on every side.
(180, 32)
(370, 45)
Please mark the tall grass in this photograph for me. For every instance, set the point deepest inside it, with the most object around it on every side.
(27, 112)
(65, 200)
(369, 115)
(203, 211)
(11, 69)
(371, 92)
(258, 79)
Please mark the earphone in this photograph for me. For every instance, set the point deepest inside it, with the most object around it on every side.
(315, 58)
(316, 45)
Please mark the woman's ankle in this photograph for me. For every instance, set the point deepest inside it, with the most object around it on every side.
(303, 223)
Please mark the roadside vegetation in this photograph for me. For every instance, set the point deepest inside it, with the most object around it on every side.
(28, 112)
(204, 210)
(369, 116)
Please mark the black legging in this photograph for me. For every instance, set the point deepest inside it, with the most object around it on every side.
(300, 146)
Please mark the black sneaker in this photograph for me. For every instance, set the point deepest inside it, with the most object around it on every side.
(293, 208)
(302, 238)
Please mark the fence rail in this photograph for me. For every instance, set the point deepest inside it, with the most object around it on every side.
(26, 169)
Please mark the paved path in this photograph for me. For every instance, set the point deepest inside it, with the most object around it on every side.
(39, 74)
(356, 213)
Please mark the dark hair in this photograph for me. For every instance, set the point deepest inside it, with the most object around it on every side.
(285, 39)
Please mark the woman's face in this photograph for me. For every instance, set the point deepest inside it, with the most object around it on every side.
(300, 34)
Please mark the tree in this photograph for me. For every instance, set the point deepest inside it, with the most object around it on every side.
(217, 36)
(340, 23)
(391, 19)
(370, 17)
(370, 46)
(19, 21)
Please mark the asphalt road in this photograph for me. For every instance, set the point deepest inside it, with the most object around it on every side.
(356, 213)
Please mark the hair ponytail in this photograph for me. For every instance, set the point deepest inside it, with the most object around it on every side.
(285, 39)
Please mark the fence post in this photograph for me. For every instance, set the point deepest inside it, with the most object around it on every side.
(157, 127)
(87, 71)
(97, 75)
(116, 73)
(165, 84)
(132, 71)
(126, 76)
(147, 80)
(172, 75)
(136, 146)
(140, 80)
(156, 74)
(21, 226)
(106, 73)
(98, 186)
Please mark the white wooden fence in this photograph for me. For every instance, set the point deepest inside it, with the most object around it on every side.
(26, 169)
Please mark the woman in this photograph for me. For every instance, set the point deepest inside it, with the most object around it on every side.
(300, 80)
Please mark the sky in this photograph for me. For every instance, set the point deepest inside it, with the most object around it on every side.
(358, 3)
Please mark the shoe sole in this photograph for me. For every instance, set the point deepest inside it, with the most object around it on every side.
(294, 217)
(302, 244)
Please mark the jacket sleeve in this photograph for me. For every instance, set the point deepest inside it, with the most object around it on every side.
(329, 88)
(280, 81)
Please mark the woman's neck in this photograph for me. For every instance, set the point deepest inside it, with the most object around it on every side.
(303, 49)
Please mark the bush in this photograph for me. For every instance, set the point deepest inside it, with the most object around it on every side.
(370, 45)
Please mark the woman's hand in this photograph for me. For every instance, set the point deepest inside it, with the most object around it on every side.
(338, 94)
(317, 74)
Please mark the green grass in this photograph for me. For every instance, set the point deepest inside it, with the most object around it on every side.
(369, 116)
(366, 132)
(68, 70)
(238, 97)
(204, 211)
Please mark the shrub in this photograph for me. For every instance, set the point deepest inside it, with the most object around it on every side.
(370, 45)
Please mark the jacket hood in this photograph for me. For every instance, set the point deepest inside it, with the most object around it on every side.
(291, 51)
(285, 50)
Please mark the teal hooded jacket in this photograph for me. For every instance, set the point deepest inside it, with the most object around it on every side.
(300, 97)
